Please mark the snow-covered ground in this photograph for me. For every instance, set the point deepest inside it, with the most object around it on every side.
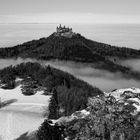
(76, 115)
(23, 115)
(128, 96)
(118, 92)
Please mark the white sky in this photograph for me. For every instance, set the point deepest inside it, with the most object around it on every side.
(75, 11)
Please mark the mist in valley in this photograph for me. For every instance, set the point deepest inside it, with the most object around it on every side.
(134, 64)
(7, 62)
(102, 79)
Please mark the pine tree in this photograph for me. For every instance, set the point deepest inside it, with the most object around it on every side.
(48, 132)
(53, 106)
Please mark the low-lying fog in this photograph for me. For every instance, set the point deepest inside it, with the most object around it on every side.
(132, 63)
(102, 79)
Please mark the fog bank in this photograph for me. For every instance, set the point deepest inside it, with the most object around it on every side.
(102, 79)
(134, 64)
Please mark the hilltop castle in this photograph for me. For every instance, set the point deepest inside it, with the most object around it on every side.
(63, 31)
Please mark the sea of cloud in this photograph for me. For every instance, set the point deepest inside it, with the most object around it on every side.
(102, 79)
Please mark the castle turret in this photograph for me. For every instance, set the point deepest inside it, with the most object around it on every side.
(63, 31)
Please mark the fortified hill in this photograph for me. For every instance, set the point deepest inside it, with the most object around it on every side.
(64, 31)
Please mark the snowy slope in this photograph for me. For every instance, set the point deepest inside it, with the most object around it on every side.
(35, 103)
(129, 96)
(76, 115)
(22, 115)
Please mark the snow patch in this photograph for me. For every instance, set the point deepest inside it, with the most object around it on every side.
(18, 79)
(77, 115)
(128, 96)
(23, 115)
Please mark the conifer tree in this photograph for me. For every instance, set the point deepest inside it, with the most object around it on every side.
(53, 106)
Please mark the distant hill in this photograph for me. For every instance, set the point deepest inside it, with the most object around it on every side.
(77, 49)
(53, 47)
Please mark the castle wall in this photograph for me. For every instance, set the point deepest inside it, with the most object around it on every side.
(62, 31)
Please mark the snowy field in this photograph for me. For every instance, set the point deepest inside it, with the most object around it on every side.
(23, 115)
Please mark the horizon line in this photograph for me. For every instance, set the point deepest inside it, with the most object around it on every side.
(70, 23)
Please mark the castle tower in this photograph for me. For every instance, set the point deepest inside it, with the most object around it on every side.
(64, 31)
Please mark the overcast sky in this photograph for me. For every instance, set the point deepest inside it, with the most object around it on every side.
(76, 11)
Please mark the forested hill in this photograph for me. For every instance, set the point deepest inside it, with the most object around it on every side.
(77, 48)
(107, 50)
(72, 93)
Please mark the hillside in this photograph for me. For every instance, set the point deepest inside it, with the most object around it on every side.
(72, 93)
(76, 48)
(107, 50)
(53, 47)
(114, 115)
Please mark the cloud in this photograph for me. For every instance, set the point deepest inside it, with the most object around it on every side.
(134, 64)
(102, 79)
(61, 17)
(105, 80)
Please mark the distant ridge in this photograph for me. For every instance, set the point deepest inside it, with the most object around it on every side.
(76, 48)
(60, 46)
